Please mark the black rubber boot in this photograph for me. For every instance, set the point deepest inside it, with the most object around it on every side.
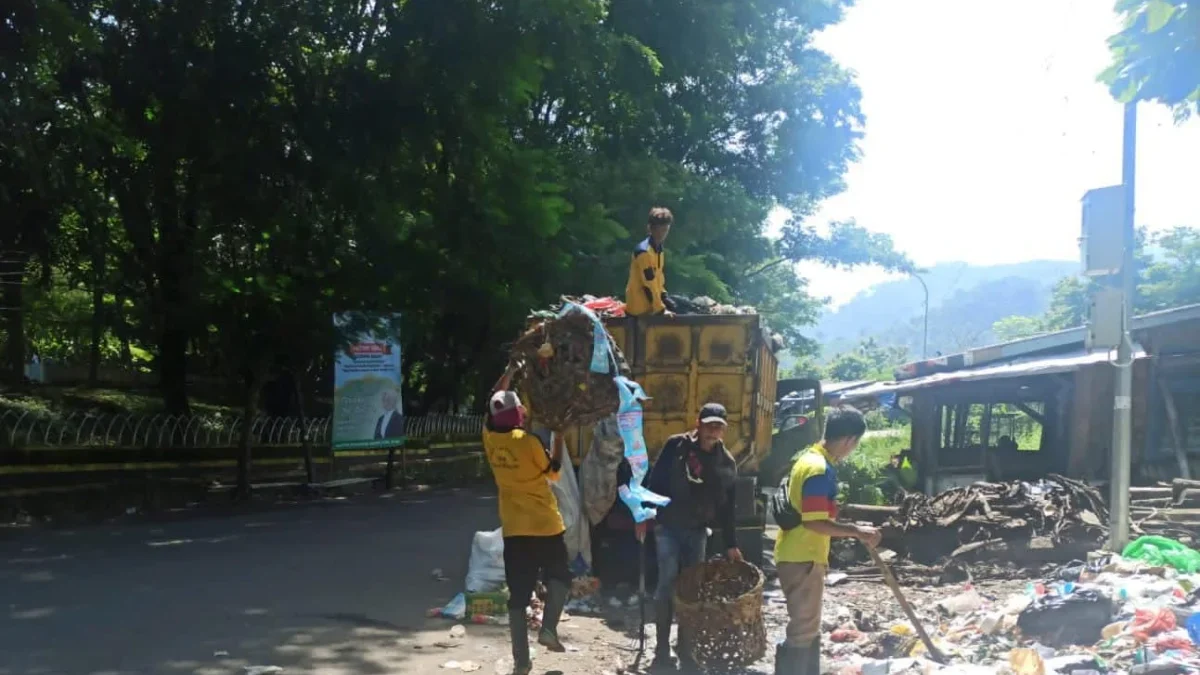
(812, 663)
(662, 635)
(790, 660)
(556, 599)
(518, 630)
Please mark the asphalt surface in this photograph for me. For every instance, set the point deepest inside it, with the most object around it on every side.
(330, 588)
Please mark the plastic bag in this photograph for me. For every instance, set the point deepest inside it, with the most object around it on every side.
(1157, 550)
(566, 492)
(629, 422)
(485, 569)
(598, 470)
(1076, 619)
(1150, 622)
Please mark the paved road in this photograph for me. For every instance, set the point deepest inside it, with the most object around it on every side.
(315, 589)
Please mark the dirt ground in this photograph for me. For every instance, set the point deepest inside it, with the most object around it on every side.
(607, 645)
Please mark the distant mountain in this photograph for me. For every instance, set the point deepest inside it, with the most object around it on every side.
(964, 301)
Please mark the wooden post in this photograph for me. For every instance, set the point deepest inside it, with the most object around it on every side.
(1174, 426)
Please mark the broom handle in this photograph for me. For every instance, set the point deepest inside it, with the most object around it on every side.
(890, 580)
(640, 530)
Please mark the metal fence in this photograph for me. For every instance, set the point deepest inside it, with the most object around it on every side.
(28, 430)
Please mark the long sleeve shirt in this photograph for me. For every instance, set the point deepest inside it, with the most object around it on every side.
(700, 484)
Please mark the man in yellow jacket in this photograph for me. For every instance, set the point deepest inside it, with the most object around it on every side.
(529, 517)
(646, 290)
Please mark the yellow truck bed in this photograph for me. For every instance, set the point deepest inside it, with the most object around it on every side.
(689, 360)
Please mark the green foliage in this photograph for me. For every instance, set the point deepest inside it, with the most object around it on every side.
(870, 360)
(209, 182)
(1156, 55)
(1017, 327)
(1171, 278)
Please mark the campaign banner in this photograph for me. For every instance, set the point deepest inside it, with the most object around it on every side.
(367, 410)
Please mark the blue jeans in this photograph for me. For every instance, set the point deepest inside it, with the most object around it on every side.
(677, 550)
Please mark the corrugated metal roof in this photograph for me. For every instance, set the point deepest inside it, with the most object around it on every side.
(1038, 343)
(1021, 367)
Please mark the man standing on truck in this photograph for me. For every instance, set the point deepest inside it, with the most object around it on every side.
(696, 471)
(646, 291)
(529, 517)
(802, 551)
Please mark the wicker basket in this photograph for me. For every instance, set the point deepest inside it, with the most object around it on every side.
(719, 607)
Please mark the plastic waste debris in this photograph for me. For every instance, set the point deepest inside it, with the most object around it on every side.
(963, 603)
(1157, 550)
(1026, 662)
(1076, 619)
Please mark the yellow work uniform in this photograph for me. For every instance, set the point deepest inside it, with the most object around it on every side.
(813, 491)
(646, 291)
(522, 469)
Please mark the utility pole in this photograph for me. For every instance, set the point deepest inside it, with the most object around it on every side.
(1122, 438)
(925, 329)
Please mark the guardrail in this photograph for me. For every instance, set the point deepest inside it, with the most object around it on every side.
(27, 430)
(41, 451)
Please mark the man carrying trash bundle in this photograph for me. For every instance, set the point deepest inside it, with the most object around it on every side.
(646, 291)
(807, 520)
(529, 518)
(696, 471)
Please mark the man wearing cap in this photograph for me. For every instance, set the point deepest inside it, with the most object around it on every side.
(696, 471)
(529, 517)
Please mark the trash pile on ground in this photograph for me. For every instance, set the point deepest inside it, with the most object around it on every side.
(1137, 612)
(994, 527)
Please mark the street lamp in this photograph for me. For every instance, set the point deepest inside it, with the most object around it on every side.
(925, 329)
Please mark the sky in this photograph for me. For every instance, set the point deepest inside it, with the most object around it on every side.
(985, 126)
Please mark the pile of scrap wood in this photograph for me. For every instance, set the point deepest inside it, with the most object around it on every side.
(1014, 521)
(1171, 510)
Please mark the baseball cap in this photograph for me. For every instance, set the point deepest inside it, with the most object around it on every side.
(713, 412)
(504, 401)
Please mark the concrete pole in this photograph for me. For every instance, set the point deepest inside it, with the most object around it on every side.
(1122, 440)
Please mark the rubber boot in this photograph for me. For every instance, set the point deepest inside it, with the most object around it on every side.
(556, 599)
(662, 635)
(518, 629)
(790, 660)
(812, 664)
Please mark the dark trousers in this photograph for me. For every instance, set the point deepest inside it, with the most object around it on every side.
(527, 559)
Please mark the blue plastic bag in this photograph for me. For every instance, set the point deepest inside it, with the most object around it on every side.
(629, 424)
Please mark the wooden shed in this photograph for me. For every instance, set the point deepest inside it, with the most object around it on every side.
(1042, 405)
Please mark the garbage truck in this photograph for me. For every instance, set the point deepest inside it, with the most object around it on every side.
(683, 362)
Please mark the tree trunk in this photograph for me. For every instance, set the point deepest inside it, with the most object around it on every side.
(12, 307)
(305, 439)
(172, 369)
(99, 236)
(246, 439)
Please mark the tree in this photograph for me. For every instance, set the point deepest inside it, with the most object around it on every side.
(870, 360)
(1164, 282)
(240, 171)
(1156, 55)
(1016, 327)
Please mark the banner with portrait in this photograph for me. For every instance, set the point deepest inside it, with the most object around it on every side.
(367, 409)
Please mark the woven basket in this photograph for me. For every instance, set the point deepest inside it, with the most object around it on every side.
(719, 607)
(559, 387)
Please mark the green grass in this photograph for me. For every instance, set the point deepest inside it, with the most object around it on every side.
(878, 450)
(59, 400)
